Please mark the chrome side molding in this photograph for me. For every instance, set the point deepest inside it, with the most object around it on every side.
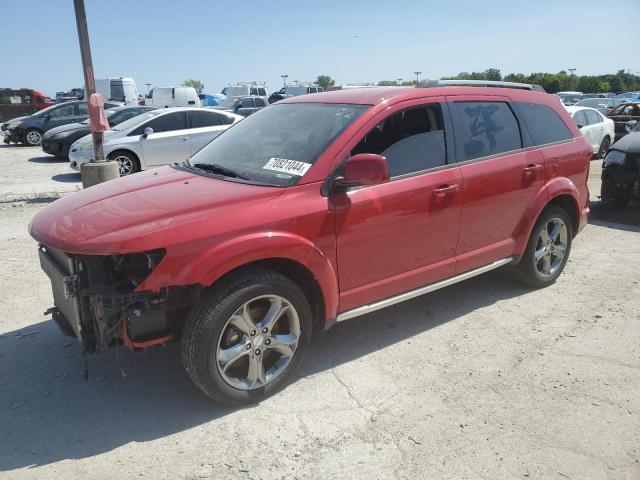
(403, 297)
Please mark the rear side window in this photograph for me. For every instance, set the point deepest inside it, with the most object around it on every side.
(260, 102)
(204, 119)
(83, 109)
(262, 92)
(593, 117)
(580, 118)
(542, 123)
(164, 123)
(484, 128)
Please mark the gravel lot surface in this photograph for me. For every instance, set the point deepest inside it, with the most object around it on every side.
(485, 379)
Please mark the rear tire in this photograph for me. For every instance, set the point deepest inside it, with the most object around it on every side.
(547, 250)
(127, 161)
(227, 336)
(604, 147)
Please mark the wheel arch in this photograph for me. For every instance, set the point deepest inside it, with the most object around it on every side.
(294, 271)
(560, 191)
(289, 254)
(125, 150)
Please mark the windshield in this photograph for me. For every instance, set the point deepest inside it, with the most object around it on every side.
(132, 122)
(569, 99)
(227, 102)
(235, 91)
(278, 144)
(295, 90)
(592, 102)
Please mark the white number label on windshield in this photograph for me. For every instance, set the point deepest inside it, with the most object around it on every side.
(287, 166)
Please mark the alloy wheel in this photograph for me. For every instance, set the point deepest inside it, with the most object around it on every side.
(258, 342)
(125, 165)
(551, 247)
(34, 137)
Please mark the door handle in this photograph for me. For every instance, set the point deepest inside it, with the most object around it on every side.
(446, 190)
(533, 168)
(184, 139)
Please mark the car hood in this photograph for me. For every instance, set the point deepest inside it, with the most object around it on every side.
(65, 128)
(145, 211)
(630, 143)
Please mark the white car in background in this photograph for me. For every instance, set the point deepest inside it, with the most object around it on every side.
(165, 97)
(596, 128)
(156, 138)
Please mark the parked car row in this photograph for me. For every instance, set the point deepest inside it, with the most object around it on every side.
(30, 129)
(57, 141)
(154, 138)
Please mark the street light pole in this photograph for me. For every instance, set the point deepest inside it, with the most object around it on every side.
(284, 80)
(417, 77)
(98, 170)
(573, 76)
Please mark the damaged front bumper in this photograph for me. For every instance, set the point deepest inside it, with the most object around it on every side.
(96, 300)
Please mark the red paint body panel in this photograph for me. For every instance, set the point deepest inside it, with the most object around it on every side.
(361, 246)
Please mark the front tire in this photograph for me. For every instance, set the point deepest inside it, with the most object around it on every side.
(246, 335)
(547, 250)
(32, 137)
(128, 163)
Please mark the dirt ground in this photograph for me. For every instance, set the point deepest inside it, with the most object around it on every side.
(485, 379)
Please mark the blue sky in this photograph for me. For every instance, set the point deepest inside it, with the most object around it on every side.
(164, 43)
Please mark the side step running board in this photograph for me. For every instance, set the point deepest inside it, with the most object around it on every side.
(387, 302)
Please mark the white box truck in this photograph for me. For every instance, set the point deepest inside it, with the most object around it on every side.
(118, 89)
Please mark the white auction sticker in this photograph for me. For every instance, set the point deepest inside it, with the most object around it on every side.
(287, 166)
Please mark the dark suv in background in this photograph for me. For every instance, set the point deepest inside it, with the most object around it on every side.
(244, 106)
(30, 130)
(293, 91)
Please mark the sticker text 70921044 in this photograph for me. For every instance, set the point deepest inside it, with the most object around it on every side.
(287, 166)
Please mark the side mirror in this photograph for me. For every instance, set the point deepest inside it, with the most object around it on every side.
(580, 126)
(147, 131)
(364, 169)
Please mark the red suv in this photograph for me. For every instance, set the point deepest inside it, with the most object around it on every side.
(315, 210)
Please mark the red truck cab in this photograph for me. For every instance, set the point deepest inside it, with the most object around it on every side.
(315, 210)
(21, 102)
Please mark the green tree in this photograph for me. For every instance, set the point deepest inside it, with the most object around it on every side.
(387, 83)
(197, 84)
(325, 81)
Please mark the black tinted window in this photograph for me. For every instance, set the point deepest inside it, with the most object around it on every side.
(63, 111)
(204, 119)
(165, 123)
(246, 103)
(83, 109)
(542, 123)
(411, 140)
(260, 102)
(484, 128)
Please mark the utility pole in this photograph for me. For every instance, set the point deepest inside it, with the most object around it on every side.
(572, 70)
(284, 79)
(99, 170)
(417, 77)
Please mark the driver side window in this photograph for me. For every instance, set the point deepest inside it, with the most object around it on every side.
(411, 140)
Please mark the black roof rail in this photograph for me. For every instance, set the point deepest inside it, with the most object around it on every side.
(479, 83)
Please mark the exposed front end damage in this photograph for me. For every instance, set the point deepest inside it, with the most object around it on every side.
(96, 299)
